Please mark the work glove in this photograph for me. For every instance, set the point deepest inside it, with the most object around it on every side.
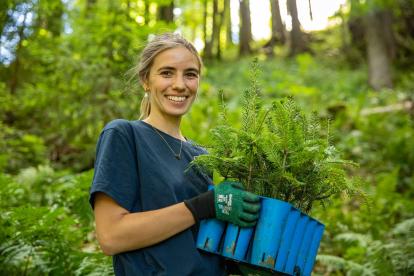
(228, 201)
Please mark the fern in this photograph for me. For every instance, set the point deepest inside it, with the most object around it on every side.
(405, 227)
(95, 265)
(392, 255)
(361, 239)
(46, 225)
(39, 240)
(352, 268)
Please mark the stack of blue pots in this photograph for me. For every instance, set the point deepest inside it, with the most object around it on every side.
(284, 240)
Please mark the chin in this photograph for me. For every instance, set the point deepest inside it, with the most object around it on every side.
(177, 113)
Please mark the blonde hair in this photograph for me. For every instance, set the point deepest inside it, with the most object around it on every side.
(154, 47)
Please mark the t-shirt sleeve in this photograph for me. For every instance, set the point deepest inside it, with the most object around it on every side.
(115, 169)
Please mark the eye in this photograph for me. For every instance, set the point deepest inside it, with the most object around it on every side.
(166, 73)
(191, 75)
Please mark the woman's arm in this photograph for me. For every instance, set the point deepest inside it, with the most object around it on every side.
(118, 230)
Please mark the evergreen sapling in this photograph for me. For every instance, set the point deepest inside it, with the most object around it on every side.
(277, 152)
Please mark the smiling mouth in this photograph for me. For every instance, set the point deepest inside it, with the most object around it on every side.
(177, 99)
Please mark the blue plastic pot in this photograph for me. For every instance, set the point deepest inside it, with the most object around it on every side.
(285, 239)
(236, 242)
(313, 249)
(209, 235)
(296, 242)
(304, 246)
(269, 229)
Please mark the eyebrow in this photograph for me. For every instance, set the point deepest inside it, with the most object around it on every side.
(192, 69)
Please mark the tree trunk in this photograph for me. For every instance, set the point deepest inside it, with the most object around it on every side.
(378, 52)
(166, 12)
(205, 15)
(405, 34)
(227, 20)
(217, 30)
(245, 28)
(146, 12)
(357, 40)
(310, 10)
(208, 39)
(278, 29)
(14, 80)
(344, 31)
(213, 28)
(297, 43)
(388, 33)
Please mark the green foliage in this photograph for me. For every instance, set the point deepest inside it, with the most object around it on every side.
(19, 149)
(277, 152)
(363, 7)
(38, 240)
(339, 264)
(393, 255)
(361, 241)
(69, 75)
(380, 142)
(47, 224)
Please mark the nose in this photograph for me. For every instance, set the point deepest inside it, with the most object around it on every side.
(179, 83)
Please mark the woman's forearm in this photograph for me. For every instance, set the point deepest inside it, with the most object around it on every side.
(119, 231)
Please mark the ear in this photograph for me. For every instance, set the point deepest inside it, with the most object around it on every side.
(145, 86)
(144, 83)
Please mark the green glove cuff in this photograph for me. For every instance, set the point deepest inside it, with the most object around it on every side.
(235, 205)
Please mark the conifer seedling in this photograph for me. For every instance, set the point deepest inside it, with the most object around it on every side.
(278, 152)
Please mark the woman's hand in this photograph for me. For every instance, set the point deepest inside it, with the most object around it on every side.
(235, 205)
(228, 202)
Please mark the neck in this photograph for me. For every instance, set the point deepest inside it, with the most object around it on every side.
(167, 125)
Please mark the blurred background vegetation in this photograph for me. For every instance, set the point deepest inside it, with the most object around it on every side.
(63, 76)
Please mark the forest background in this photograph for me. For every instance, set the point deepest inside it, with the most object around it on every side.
(63, 76)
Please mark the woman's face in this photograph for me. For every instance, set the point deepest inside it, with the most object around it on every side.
(173, 82)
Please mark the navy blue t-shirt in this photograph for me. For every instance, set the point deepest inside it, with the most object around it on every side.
(135, 167)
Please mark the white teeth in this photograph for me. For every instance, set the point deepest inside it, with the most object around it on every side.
(176, 99)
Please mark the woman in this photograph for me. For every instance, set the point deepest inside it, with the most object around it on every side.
(146, 207)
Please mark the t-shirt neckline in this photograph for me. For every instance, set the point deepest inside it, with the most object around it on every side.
(165, 134)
